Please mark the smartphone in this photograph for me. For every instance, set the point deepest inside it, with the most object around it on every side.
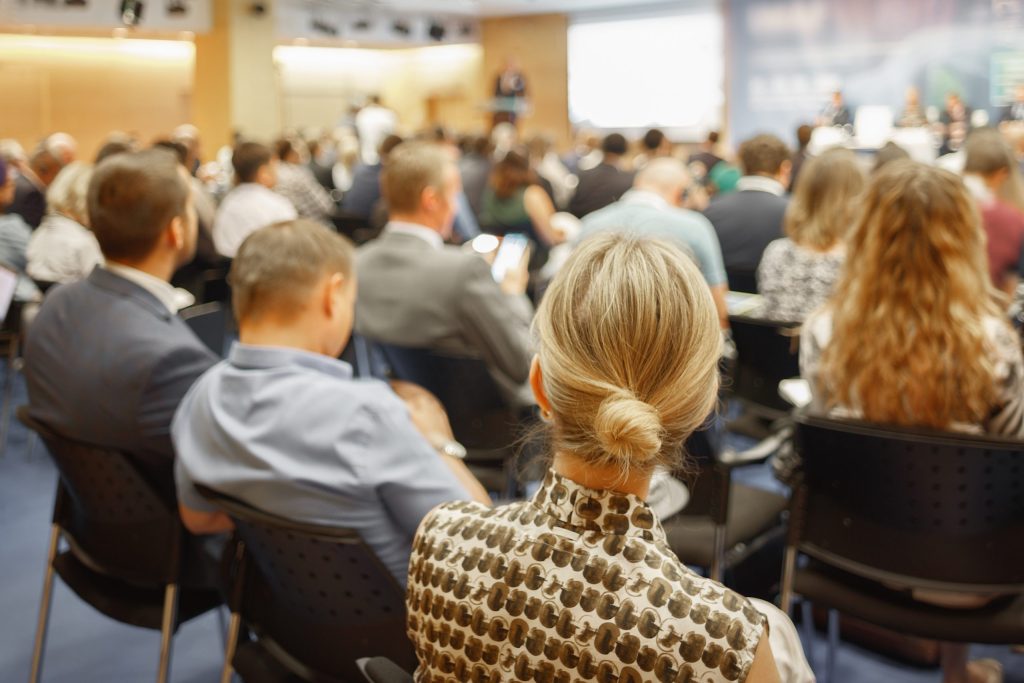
(510, 253)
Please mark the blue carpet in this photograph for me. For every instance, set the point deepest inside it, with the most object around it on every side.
(84, 646)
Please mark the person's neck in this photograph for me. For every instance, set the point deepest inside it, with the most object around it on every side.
(157, 266)
(414, 218)
(602, 478)
(294, 334)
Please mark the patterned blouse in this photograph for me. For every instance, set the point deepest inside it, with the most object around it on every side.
(795, 280)
(575, 584)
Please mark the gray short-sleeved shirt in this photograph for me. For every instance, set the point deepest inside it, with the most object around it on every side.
(292, 433)
(648, 214)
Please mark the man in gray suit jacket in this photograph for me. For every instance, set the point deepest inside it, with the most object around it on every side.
(107, 359)
(415, 291)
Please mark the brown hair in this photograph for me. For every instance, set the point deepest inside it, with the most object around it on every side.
(824, 200)
(132, 199)
(411, 168)
(247, 159)
(908, 345)
(763, 155)
(628, 344)
(278, 264)
(987, 152)
(510, 174)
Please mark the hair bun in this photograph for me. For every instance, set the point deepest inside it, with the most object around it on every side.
(628, 428)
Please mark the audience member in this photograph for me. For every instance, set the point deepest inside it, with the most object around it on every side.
(514, 202)
(14, 237)
(993, 178)
(955, 123)
(475, 171)
(363, 196)
(374, 123)
(802, 153)
(654, 207)
(188, 135)
(888, 153)
(252, 203)
(107, 360)
(706, 155)
(749, 218)
(798, 272)
(282, 424)
(206, 213)
(30, 187)
(117, 143)
(585, 153)
(913, 335)
(321, 165)
(614, 415)
(604, 183)
(554, 177)
(63, 249)
(653, 145)
(296, 183)
(417, 292)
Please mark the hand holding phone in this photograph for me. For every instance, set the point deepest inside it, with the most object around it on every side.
(509, 268)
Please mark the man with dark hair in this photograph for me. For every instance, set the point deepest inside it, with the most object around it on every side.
(748, 219)
(656, 144)
(107, 359)
(606, 182)
(475, 169)
(283, 425)
(706, 155)
(252, 203)
(31, 184)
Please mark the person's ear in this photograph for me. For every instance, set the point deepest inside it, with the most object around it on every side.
(537, 384)
(428, 200)
(176, 232)
(333, 294)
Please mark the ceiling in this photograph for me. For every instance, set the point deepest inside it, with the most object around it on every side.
(485, 8)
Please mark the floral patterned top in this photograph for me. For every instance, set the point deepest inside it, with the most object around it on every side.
(795, 280)
(575, 584)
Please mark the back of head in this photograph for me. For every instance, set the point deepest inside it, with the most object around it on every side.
(68, 195)
(133, 197)
(247, 160)
(510, 174)
(412, 167)
(825, 199)
(987, 152)
(664, 176)
(628, 343)
(115, 144)
(713, 137)
(277, 266)
(763, 155)
(176, 148)
(387, 145)
(283, 149)
(908, 344)
(889, 152)
(653, 140)
(803, 135)
(614, 144)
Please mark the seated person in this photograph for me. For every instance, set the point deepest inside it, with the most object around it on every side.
(63, 249)
(614, 415)
(798, 272)
(15, 234)
(106, 359)
(417, 292)
(296, 183)
(913, 335)
(281, 424)
(252, 203)
(604, 183)
(364, 194)
(654, 207)
(514, 202)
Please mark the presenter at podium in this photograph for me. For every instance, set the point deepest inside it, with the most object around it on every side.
(509, 93)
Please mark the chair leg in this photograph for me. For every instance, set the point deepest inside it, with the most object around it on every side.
(833, 646)
(229, 651)
(718, 554)
(167, 632)
(788, 569)
(44, 607)
(807, 619)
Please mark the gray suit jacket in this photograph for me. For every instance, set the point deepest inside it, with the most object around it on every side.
(107, 364)
(411, 294)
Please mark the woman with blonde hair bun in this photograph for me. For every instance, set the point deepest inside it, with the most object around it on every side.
(579, 581)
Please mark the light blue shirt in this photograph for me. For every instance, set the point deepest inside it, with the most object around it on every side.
(292, 433)
(648, 214)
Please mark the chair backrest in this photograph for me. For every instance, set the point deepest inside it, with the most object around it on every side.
(742, 279)
(317, 593)
(765, 355)
(479, 415)
(115, 520)
(909, 507)
(209, 322)
(706, 479)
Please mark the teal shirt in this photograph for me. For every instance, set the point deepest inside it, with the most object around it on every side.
(647, 214)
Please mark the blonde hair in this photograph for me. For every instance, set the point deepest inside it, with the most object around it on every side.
(411, 168)
(68, 194)
(908, 343)
(628, 343)
(824, 200)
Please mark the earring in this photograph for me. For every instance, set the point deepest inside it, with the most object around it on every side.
(545, 414)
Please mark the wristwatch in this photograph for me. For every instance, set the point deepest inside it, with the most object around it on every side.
(453, 449)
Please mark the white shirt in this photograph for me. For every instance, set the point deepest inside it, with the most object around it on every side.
(374, 123)
(174, 299)
(761, 183)
(62, 250)
(429, 236)
(245, 209)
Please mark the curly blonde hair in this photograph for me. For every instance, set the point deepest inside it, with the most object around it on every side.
(908, 343)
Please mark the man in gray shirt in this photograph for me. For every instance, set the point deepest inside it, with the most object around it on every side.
(282, 425)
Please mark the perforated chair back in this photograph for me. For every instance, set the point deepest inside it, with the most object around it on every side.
(909, 507)
(116, 521)
(317, 596)
(766, 354)
(479, 415)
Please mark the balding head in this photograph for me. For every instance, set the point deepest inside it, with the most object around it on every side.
(665, 177)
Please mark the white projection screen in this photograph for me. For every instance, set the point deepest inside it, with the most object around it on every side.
(632, 74)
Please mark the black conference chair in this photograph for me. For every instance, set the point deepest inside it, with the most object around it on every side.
(209, 321)
(742, 279)
(766, 354)
(383, 670)
(124, 545)
(315, 598)
(878, 507)
(723, 523)
(481, 419)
